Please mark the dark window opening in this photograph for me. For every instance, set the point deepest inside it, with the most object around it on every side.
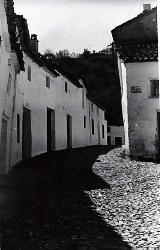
(92, 107)
(92, 127)
(29, 73)
(18, 128)
(83, 97)
(97, 111)
(108, 129)
(154, 88)
(84, 121)
(66, 87)
(102, 131)
(47, 81)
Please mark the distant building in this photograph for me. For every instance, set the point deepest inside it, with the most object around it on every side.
(136, 43)
(115, 135)
(42, 108)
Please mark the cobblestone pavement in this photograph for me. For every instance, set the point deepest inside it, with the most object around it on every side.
(132, 204)
(44, 205)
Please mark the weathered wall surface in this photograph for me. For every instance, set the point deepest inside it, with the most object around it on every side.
(35, 96)
(8, 65)
(142, 108)
(123, 83)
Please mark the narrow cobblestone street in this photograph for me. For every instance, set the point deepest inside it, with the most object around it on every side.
(44, 204)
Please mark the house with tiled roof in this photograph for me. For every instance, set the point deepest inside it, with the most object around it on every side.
(136, 43)
(42, 108)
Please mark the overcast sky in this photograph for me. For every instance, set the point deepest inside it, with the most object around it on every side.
(76, 24)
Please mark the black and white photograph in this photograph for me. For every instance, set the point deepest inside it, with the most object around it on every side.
(79, 125)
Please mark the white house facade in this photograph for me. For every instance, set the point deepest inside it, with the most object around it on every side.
(139, 78)
(9, 68)
(45, 109)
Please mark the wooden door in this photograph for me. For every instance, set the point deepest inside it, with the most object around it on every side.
(26, 134)
(50, 129)
(69, 131)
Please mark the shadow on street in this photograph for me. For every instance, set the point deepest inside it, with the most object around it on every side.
(49, 208)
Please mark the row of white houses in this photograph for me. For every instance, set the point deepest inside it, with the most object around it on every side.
(41, 109)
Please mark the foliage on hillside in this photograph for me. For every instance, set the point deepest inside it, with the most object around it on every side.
(100, 74)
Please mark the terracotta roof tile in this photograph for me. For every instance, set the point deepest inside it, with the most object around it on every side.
(138, 52)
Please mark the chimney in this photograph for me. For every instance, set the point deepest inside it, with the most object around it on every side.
(34, 43)
(146, 7)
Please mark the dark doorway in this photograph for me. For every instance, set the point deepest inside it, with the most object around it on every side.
(69, 131)
(108, 140)
(26, 134)
(118, 141)
(50, 130)
(3, 147)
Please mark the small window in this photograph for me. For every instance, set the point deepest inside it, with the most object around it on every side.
(92, 127)
(66, 87)
(108, 129)
(154, 88)
(102, 131)
(84, 121)
(29, 73)
(97, 111)
(92, 107)
(47, 81)
(18, 128)
(83, 97)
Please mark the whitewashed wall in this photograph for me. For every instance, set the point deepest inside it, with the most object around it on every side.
(142, 108)
(8, 63)
(35, 96)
